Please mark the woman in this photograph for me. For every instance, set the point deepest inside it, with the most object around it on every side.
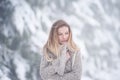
(61, 58)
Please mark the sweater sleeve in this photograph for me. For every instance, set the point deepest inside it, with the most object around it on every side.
(47, 69)
(75, 74)
(57, 66)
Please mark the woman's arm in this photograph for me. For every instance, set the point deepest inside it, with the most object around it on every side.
(75, 74)
(46, 69)
(57, 66)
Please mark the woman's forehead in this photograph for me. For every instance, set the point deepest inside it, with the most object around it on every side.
(63, 29)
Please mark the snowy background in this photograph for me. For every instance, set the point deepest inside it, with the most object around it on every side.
(25, 25)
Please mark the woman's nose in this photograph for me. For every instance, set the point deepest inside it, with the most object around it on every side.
(64, 36)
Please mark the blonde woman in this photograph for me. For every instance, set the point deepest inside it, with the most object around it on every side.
(61, 58)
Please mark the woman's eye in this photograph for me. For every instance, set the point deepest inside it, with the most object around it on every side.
(66, 33)
(59, 34)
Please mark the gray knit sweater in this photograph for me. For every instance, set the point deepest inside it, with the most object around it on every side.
(60, 68)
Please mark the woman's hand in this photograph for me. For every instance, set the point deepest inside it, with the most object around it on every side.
(64, 51)
(67, 55)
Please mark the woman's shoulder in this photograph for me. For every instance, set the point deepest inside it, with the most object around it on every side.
(78, 53)
(48, 55)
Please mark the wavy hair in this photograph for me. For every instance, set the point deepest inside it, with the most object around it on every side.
(52, 44)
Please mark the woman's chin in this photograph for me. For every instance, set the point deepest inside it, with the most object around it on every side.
(63, 43)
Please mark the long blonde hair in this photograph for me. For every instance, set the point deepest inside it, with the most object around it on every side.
(52, 44)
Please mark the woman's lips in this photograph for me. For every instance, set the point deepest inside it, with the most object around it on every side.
(64, 41)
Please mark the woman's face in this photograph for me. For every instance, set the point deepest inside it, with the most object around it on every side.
(63, 34)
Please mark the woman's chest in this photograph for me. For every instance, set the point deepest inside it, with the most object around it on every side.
(68, 66)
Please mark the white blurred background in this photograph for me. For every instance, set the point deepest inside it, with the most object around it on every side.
(25, 25)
